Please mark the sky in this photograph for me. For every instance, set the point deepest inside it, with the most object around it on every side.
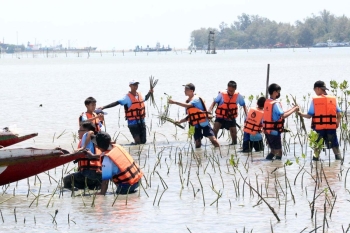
(115, 24)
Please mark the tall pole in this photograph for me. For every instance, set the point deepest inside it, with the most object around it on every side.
(267, 81)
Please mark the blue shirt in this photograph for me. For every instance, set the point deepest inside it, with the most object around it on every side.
(220, 100)
(277, 113)
(197, 103)
(109, 169)
(89, 146)
(127, 101)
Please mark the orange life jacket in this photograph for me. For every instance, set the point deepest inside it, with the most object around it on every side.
(269, 124)
(253, 125)
(90, 164)
(325, 112)
(195, 115)
(137, 109)
(228, 109)
(89, 116)
(129, 171)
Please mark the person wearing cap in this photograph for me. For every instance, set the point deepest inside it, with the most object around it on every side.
(89, 170)
(326, 116)
(197, 116)
(227, 110)
(273, 123)
(134, 111)
(117, 165)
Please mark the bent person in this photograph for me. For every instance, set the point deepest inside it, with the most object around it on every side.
(117, 165)
(89, 170)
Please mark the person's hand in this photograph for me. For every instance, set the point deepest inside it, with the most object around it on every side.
(100, 108)
(79, 149)
(101, 117)
(296, 108)
(170, 101)
(89, 154)
(177, 122)
(151, 91)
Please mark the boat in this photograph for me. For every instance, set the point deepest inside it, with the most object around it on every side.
(9, 138)
(17, 164)
(158, 48)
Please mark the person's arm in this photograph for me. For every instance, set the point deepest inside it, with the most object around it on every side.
(111, 105)
(90, 155)
(104, 187)
(241, 102)
(338, 118)
(185, 105)
(182, 120)
(212, 106)
(289, 112)
(305, 115)
(87, 139)
(148, 95)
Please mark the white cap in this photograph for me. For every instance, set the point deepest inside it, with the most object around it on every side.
(133, 82)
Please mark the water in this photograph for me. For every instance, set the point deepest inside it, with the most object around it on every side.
(61, 85)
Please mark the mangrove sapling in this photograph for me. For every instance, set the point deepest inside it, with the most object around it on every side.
(156, 195)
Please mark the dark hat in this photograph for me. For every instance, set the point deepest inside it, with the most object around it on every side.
(102, 140)
(98, 111)
(190, 86)
(321, 85)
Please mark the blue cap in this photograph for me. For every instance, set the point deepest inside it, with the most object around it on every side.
(98, 111)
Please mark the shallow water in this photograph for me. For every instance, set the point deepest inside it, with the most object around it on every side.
(61, 85)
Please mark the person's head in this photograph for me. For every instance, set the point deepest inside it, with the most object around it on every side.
(134, 85)
(102, 140)
(90, 104)
(261, 102)
(274, 91)
(189, 89)
(86, 126)
(231, 87)
(320, 87)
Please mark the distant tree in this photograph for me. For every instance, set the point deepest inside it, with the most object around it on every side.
(254, 31)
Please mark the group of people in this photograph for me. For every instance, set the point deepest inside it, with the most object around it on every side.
(106, 160)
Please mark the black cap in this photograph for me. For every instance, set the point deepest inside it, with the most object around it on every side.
(190, 86)
(102, 140)
(321, 85)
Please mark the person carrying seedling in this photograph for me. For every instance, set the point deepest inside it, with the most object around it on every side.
(326, 116)
(197, 116)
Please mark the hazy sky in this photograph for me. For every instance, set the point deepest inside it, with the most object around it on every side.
(119, 24)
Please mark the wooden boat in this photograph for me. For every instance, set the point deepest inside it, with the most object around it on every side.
(8, 138)
(17, 164)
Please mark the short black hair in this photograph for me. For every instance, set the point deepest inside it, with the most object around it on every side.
(232, 84)
(261, 102)
(89, 100)
(274, 87)
(88, 126)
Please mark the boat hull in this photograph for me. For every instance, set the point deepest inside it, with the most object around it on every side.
(18, 164)
(8, 139)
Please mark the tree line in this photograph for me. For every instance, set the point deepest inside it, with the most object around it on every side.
(254, 31)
